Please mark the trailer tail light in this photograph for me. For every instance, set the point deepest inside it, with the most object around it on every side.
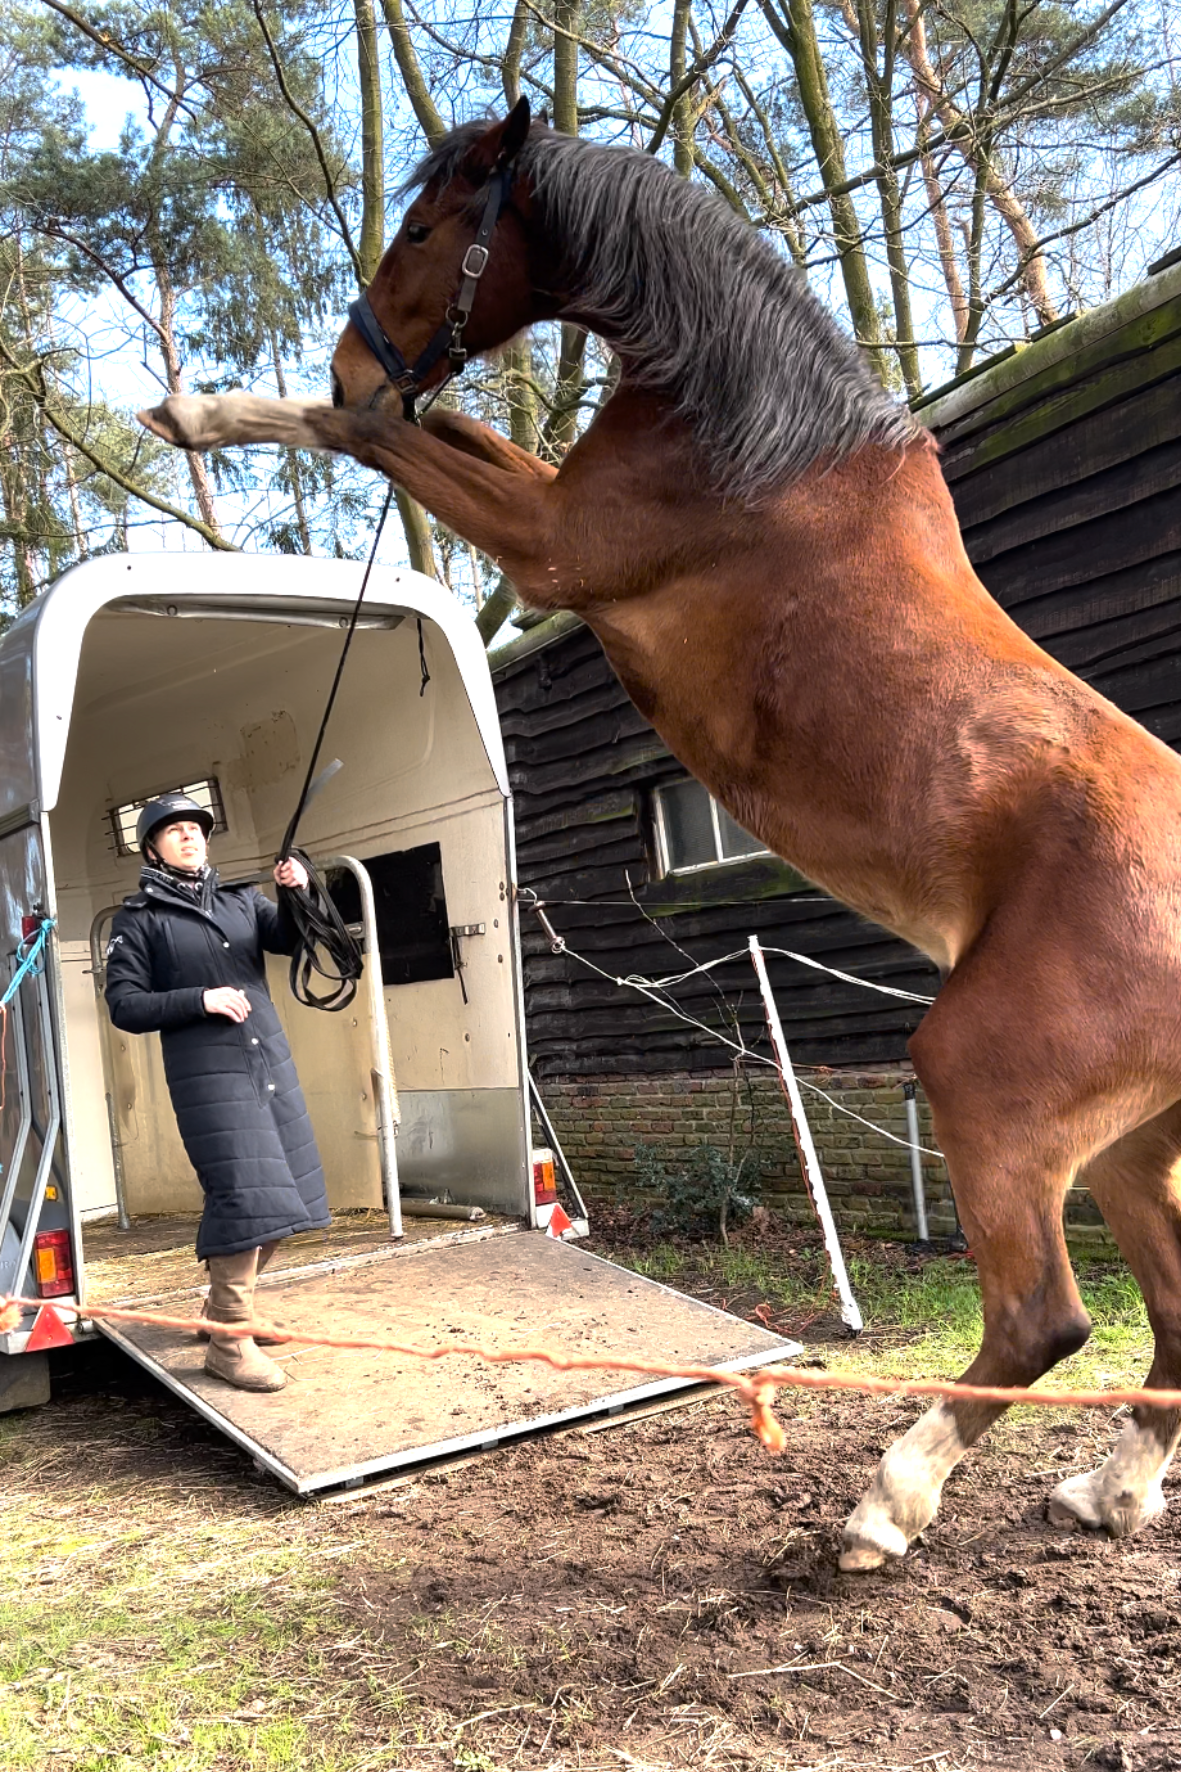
(53, 1263)
(30, 926)
(545, 1189)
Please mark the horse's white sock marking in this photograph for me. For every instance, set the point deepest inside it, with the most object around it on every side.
(1125, 1492)
(208, 421)
(905, 1491)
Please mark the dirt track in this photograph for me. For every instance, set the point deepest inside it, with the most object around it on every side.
(638, 1579)
(614, 1598)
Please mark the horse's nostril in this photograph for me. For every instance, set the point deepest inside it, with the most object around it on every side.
(337, 390)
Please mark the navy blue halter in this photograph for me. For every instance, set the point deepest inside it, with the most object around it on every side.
(409, 377)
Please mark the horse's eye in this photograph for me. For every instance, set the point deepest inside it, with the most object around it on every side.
(337, 390)
(416, 233)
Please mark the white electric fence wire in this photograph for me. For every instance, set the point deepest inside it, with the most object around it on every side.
(649, 987)
(868, 984)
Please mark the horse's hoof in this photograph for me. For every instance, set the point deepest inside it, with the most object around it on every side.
(178, 420)
(869, 1543)
(1074, 1503)
(1082, 1501)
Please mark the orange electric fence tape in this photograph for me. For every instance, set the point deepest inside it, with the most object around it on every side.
(758, 1389)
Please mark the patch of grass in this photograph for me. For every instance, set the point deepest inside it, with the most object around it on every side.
(93, 1685)
(175, 1637)
(922, 1317)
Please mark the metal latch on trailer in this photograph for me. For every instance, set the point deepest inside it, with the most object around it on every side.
(462, 932)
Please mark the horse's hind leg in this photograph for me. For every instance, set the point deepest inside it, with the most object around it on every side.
(1011, 1153)
(1137, 1184)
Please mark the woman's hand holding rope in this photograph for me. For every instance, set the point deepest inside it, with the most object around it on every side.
(291, 873)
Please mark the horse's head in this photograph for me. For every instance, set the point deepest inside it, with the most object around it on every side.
(460, 253)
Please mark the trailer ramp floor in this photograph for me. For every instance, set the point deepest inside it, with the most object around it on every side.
(347, 1415)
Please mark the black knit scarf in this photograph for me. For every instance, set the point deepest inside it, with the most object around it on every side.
(199, 884)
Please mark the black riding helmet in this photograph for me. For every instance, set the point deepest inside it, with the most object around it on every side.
(170, 809)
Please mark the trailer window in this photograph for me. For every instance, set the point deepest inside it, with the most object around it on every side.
(123, 818)
(413, 931)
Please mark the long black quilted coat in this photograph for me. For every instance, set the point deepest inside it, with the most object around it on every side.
(237, 1098)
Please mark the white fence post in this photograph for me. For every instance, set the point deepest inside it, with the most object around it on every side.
(813, 1180)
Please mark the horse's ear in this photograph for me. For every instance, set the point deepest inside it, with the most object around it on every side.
(502, 142)
(516, 128)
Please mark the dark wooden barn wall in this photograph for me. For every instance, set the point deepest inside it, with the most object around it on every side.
(1069, 491)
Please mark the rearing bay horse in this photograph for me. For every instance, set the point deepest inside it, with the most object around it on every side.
(763, 543)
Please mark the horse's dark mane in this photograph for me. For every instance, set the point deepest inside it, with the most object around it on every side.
(699, 306)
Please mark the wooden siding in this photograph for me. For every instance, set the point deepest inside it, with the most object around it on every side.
(1068, 489)
(1065, 466)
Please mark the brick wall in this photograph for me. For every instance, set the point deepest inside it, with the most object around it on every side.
(867, 1177)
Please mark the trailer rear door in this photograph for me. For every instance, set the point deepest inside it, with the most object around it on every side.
(346, 1416)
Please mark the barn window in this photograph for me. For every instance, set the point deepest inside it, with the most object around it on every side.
(123, 818)
(694, 832)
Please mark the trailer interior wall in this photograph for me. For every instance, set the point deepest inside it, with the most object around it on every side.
(162, 700)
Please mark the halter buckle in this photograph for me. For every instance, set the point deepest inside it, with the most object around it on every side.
(475, 262)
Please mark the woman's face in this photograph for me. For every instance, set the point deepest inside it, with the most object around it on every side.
(181, 845)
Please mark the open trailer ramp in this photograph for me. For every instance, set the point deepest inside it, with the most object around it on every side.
(346, 1415)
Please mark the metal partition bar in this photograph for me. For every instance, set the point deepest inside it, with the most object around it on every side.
(552, 1140)
(98, 973)
(16, 1010)
(918, 1187)
(385, 1096)
(49, 1136)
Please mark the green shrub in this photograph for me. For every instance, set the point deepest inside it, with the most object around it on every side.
(698, 1192)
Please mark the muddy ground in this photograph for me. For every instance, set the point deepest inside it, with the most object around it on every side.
(665, 1593)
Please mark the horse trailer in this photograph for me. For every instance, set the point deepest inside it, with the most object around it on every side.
(209, 672)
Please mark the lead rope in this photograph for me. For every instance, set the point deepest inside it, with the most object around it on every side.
(320, 928)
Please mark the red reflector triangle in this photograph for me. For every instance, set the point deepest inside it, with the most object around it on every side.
(48, 1331)
(558, 1223)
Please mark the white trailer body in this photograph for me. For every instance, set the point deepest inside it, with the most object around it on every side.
(137, 674)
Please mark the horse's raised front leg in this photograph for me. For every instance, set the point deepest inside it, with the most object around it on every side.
(1010, 1166)
(481, 441)
(505, 509)
(215, 421)
(1137, 1185)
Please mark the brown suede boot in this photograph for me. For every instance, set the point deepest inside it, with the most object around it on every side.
(276, 1337)
(231, 1300)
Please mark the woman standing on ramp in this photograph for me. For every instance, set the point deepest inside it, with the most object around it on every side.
(185, 960)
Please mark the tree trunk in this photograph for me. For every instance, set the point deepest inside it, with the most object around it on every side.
(682, 122)
(413, 79)
(879, 86)
(795, 28)
(372, 242)
(417, 527)
(301, 515)
(415, 523)
(944, 241)
(563, 420)
(510, 71)
(977, 154)
(975, 312)
(198, 469)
